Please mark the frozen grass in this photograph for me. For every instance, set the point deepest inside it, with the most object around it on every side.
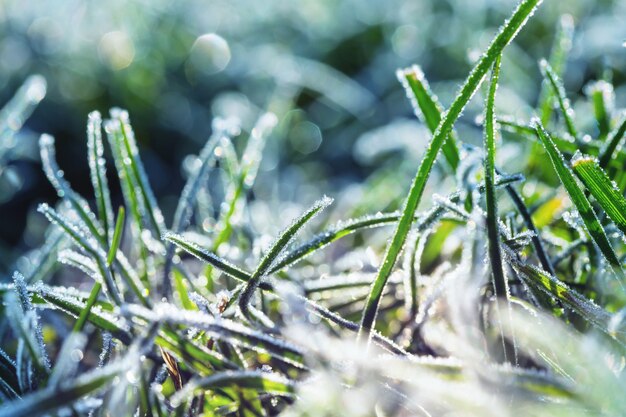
(500, 306)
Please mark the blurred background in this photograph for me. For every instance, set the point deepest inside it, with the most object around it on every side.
(325, 67)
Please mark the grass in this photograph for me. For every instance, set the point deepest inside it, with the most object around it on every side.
(499, 304)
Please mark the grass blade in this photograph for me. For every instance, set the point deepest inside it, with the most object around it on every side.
(426, 104)
(249, 167)
(602, 98)
(475, 78)
(93, 297)
(55, 176)
(88, 246)
(273, 254)
(98, 173)
(20, 107)
(48, 400)
(260, 381)
(557, 86)
(594, 228)
(602, 189)
(223, 130)
(117, 235)
(130, 152)
(558, 58)
(495, 255)
(613, 140)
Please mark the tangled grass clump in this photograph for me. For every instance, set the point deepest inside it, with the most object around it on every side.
(479, 305)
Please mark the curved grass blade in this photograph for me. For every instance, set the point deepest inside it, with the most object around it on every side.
(43, 259)
(558, 58)
(602, 189)
(70, 304)
(20, 107)
(570, 298)
(30, 325)
(98, 173)
(197, 357)
(55, 176)
(613, 140)
(184, 210)
(544, 259)
(475, 78)
(250, 162)
(557, 86)
(259, 381)
(426, 104)
(130, 153)
(90, 247)
(82, 318)
(495, 255)
(594, 228)
(48, 400)
(222, 329)
(112, 129)
(116, 239)
(274, 253)
(602, 97)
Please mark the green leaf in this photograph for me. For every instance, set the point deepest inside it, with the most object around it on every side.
(475, 78)
(273, 254)
(46, 401)
(84, 314)
(98, 173)
(88, 246)
(570, 298)
(138, 175)
(117, 235)
(558, 58)
(426, 104)
(567, 112)
(495, 255)
(602, 189)
(594, 228)
(259, 381)
(602, 98)
(614, 139)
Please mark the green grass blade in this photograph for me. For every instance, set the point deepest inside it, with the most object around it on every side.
(91, 301)
(475, 78)
(46, 401)
(21, 106)
(613, 140)
(273, 254)
(602, 99)
(131, 199)
(426, 105)
(495, 255)
(130, 152)
(544, 259)
(558, 58)
(117, 235)
(557, 86)
(259, 381)
(570, 298)
(249, 167)
(98, 173)
(88, 246)
(222, 132)
(602, 189)
(580, 201)
(55, 176)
